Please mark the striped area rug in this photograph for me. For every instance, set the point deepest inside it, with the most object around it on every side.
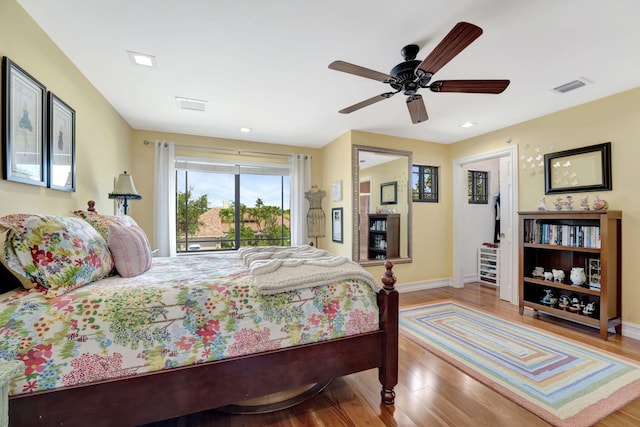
(562, 381)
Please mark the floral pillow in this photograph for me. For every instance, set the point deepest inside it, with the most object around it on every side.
(56, 252)
(10, 265)
(101, 222)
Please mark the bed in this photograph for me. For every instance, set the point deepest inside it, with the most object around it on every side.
(178, 335)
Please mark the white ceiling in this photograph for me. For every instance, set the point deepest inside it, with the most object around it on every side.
(263, 63)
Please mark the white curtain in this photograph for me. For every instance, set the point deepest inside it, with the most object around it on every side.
(164, 198)
(300, 182)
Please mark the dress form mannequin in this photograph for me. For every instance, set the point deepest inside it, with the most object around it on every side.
(315, 215)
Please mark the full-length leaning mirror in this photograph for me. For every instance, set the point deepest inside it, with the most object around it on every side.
(381, 205)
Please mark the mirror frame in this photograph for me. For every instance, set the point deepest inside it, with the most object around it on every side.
(355, 179)
(605, 169)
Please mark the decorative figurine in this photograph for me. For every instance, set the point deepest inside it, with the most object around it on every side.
(542, 207)
(564, 301)
(538, 272)
(569, 203)
(558, 203)
(584, 203)
(548, 275)
(600, 204)
(589, 309)
(547, 298)
(577, 276)
(558, 275)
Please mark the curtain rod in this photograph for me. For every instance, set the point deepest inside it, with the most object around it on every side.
(228, 150)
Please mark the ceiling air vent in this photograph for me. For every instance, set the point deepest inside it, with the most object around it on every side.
(191, 104)
(567, 87)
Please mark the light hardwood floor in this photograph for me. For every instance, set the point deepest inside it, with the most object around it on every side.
(430, 391)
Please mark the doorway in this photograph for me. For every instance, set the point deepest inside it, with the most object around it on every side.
(508, 218)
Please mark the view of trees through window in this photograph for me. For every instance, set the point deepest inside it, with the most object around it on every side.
(207, 218)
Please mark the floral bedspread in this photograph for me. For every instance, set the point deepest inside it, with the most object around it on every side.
(182, 311)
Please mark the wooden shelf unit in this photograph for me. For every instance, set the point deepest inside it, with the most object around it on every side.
(383, 228)
(566, 239)
(489, 265)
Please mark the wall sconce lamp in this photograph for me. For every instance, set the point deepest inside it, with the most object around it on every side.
(125, 190)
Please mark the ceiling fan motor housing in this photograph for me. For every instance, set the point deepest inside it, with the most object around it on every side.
(404, 77)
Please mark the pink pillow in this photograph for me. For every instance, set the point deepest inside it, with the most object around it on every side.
(130, 249)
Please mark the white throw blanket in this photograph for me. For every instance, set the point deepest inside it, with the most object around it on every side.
(282, 270)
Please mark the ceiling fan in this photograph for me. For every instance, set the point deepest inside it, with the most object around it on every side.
(411, 75)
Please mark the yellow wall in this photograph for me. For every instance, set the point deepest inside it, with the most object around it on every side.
(431, 240)
(335, 161)
(102, 136)
(142, 210)
(613, 119)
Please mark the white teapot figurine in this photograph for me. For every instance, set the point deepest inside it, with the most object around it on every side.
(577, 276)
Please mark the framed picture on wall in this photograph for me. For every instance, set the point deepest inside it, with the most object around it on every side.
(23, 147)
(389, 193)
(62, 145)
(336, 225)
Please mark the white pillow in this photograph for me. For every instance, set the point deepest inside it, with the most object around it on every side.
(130, 249)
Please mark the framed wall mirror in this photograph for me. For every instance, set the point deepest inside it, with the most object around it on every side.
(578, 170)
(381, 187)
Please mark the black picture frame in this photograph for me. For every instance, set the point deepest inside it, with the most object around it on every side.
(23, 126)
(389, 193)
(62, 145)
(578, 170)
(336, 225)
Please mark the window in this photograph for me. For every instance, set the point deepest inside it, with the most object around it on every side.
(424, 181)
(208, 192)
(478, 187)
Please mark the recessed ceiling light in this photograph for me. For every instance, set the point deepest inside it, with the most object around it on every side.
(468, 124)
(142, 59)
(245, 130)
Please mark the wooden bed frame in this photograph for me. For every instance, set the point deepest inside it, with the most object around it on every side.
(175, 392)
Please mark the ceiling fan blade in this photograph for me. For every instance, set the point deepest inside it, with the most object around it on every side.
(357, 70)
(366, 102)
(470, 86)
(461, 36)
(417, 110)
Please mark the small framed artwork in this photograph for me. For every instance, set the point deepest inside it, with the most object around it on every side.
(336, 191)
(389, 193)
(336, 225)
(62, 145)
(23, 148)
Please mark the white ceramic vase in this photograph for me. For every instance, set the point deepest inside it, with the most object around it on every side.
(577, 276)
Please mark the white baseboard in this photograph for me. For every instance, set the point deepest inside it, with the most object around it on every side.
(470, 277)
(631, 330)
(423, 284)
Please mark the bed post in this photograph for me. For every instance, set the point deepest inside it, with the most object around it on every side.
(388, 304)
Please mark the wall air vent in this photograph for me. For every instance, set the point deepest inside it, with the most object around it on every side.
(191, 104)
(567, 87)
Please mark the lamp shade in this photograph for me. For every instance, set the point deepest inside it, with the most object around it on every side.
(125, 189)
